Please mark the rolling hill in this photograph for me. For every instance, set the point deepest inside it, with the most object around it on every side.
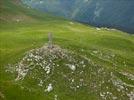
(85, 62)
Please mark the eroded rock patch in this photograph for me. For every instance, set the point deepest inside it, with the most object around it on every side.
(49, 68)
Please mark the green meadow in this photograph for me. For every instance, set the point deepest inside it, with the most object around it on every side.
(23, 29)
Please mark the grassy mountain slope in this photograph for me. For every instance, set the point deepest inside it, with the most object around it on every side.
(101, 13)
(105, 58)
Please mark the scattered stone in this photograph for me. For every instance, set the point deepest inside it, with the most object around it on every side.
(2, 95)
(128, 75)
(55, 97)
(49, 88)
(114, 98)
(71, 23)
(72, 67)
(78, 86)
(41, 83)
(95, 52)
(22, 72)
(17, 20)
(72, 80)
(98, 29)
(131, 95)
(82, 50)
(101, 94)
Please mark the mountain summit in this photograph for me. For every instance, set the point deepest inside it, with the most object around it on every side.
(44, 57)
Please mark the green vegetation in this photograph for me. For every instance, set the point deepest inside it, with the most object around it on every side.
(23, 29)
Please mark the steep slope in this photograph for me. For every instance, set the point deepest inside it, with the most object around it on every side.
(84, 63)
(13, 11)
(116, 13)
